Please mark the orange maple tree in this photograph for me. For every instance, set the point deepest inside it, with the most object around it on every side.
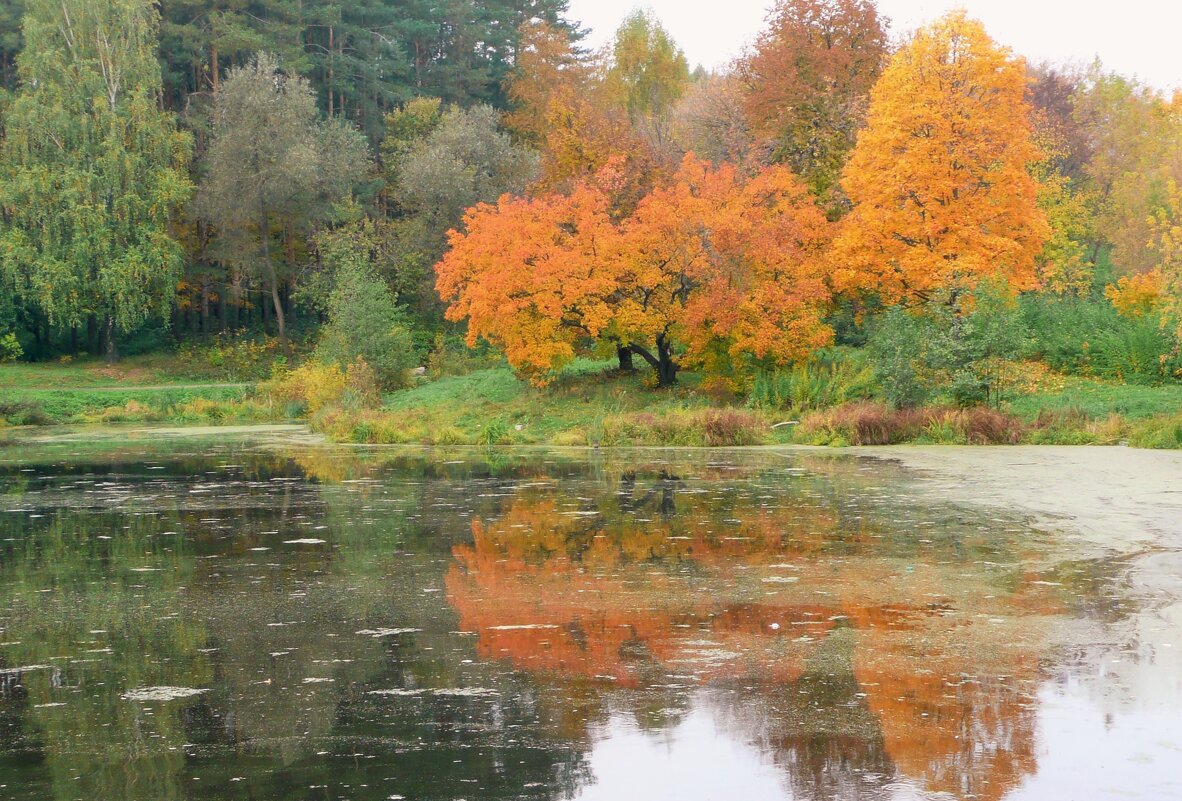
(725, 267)
(716, 268)
(529, 277)
(942, 193)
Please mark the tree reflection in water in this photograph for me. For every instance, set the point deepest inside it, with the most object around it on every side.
(850, 645)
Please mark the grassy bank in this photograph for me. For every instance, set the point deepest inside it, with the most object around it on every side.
(590, 405)
(157, 388)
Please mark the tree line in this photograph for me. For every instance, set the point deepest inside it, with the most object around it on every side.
(190, 167)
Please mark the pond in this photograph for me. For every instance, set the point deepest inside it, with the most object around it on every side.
(252, 619)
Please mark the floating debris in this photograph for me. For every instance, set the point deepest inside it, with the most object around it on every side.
(162, 693)
(375, 633)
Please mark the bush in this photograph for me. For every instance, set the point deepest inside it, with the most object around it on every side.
(699, 428)
(1089, 337)
(1159, 432)
(23, 413)
(10, 348)
(956, 349)
(450, 356)
(306, 389)
(1137, 351)
(229, 357)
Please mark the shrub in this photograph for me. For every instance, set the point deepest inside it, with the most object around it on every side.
(832, 377)
(1089, 337)
(1158, 432)
(229, 357)
(310, 387)
(898, 353)
(450, 356)
(698, 428)
(10, 348)
(878, 424)
(495, 432)
(24, 413)
(955, 349)
(1137, 350)
(1074, 426)
(364, 321)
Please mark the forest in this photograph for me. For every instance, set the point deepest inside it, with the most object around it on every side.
(452, 221)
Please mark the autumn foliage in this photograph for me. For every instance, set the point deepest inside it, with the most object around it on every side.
(940, 180)
(717, 269)
(806, 82)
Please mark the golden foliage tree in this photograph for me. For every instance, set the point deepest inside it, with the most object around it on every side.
(942, 193)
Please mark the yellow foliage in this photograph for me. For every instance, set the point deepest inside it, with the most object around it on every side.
(942, 193)
(1138, 295)
(313, 384)
(1166, 228)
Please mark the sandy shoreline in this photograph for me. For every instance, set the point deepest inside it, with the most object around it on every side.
(1123, 498)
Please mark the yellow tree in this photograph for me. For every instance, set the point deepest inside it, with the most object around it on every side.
(1161, 286)
(1063, 266)
(942, 193)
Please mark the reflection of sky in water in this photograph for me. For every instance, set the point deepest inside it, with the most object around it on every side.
(373, 624)
(694, 759)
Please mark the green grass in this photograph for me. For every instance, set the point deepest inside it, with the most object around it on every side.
(590, 403)
(578, 402)
(1098, 400)
(137, 371)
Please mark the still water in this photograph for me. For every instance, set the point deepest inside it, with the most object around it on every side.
(247, 620)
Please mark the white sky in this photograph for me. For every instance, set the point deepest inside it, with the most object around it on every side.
(1134, 37)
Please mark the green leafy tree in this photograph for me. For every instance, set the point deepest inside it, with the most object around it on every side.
(462, 158)
(648, 74)
(274, 170)
(466, 159)
(949, 351)
(91, 169)
(364, 321)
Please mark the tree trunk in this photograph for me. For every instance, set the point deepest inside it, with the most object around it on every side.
(662, 363)
(213, 67)
(624, 354)
(666, 367)
(205, 309)
(92, 335)
(331, 54)
(112, 348)
(265, 242)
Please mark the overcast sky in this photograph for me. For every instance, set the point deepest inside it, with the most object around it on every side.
(1134, 37)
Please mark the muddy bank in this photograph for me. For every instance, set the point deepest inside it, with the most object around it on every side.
(1121, 498)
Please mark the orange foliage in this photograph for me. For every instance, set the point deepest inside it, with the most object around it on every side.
(718, 260)
(713, 261)
(633, 585)
(942, 194)
(528, 276)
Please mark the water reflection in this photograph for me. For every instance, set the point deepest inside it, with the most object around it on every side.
(856, 647)
(378, 624)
